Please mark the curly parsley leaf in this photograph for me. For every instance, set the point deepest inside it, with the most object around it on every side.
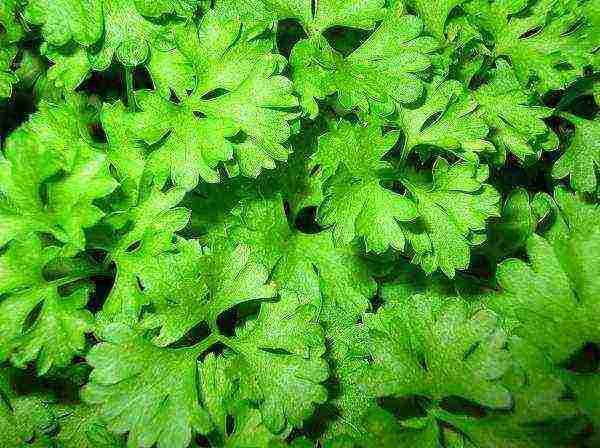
(326, 14)
(239, 108)
(142, 233)
(555, 293)
(404, 338)
(195, 146)
(355, 202)
(447, 119)
(57, 332)
(548, 43)
(128, 35)
(280, 362)
(435, 13)
(386, 69)
(516, 126)
(453, 209)
(23, 418)
(538, 397)
(52, 154)
(66, 20)
(81, 427)
(8, 53)
(149, 391)
(221, 398)
(334, 272)
(581, 159)
(206, 286)
(12, 30)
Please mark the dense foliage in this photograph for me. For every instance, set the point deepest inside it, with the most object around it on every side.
(314, 223)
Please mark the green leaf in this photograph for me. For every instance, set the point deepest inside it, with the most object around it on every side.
(248, 123)
(156, 8)
(51, 152)
(70, 67)
(355, 203)
(585, 387)
(538, 397)
(219, 396)
(280, 355)
(172, 284)
(516, 126)
(453, 210)
(520, 217)
(148, 236)
(12, 30)
(582, 157)
(126, 154)
(22, 417)
(307, 267)
(80, 427)
(361, 14)
(386, 69)
(547, 42)
(215, 54)
(310, 272)
(8, 53)
(405, 340)
(128, 36)
(385, 431)
(193, 147)
(40, 324)
(148, 391)
(447, 119)
(435, 13)
(555, 293)
(66, 20)
(199, 288)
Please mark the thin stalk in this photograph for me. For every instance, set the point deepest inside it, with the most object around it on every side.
(129, 88)
(203, 345)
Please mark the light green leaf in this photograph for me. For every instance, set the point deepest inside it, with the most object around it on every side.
(199, 288)
(516, 125)
(435, 13)
(57, 333)
(280, 353)
(405, 340)
(556, 292)
(248, 123)
(453, 210)
(547, 42)
(447, 120)
(8, 53)
(385, 70)
(306, 267)
(151, 225)
(66, 20)
(148, 391)
(582, 158)
(355, 203)
(80, 427)
(54, 150)
(22, 417)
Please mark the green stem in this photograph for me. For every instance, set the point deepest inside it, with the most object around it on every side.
(229, 342)
(205, 344)
(129, 88)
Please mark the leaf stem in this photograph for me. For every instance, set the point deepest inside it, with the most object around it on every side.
(203, 345)
(129, 88)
